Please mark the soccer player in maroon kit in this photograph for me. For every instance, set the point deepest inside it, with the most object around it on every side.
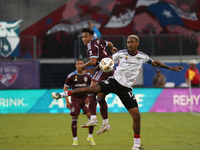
(78, 79)
(96, 51)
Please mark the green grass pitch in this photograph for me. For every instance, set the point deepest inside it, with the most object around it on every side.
(160, 131)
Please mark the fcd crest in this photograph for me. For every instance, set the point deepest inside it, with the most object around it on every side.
(8, 74)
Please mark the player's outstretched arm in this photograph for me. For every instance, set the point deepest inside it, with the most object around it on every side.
(91, 62)
(114, 50)
(157, 63)
(110, 45)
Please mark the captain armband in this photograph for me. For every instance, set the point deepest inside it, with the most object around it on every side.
(150, 61)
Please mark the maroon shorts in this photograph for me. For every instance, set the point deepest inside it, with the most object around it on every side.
(78, 103)
(100, 76)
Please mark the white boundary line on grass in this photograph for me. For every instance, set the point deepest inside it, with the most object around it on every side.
(195, 114)
(59, 147)
(72, 147)
(174, 146)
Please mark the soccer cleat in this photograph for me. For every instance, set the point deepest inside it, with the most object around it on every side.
(137, 148)
(75, 143)
(92, 122)
(55, 95)
(91, 140)
(105, 127)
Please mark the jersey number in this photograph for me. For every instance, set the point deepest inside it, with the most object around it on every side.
(90, 53)
(130, 94)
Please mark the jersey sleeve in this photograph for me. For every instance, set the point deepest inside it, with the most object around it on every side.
(95, 48)
(148, 60)
(67, 82)
(106, 43)
(116, 56)
(93, 53)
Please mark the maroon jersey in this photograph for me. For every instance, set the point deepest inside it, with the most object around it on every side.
(75, 80)
(97, 49)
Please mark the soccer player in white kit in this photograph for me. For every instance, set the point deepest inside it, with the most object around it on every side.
(129, 63)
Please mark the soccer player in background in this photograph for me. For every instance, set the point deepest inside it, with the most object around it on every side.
(78, 79)
(96, 50)
(130, 61)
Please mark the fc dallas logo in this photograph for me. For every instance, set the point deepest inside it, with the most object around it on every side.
(8, 75)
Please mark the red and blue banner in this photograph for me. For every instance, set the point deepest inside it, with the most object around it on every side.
(169, 14)
(60, 28)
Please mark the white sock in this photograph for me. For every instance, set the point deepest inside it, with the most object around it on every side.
(90, 135)
(75, 139)
(105, 121)
(64, 94)
(93, 117)
(136, 142)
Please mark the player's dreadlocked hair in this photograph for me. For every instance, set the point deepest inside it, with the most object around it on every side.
(89, 30)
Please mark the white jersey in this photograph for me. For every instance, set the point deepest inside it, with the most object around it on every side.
(128, 66)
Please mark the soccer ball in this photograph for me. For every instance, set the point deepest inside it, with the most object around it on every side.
(106, 64)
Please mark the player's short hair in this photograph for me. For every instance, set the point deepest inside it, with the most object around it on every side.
(134, 36)
(79, 59)
(89, 30)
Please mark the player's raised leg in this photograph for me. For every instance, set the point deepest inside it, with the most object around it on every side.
(79, 91)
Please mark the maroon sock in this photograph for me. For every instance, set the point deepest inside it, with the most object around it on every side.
(93, 104)
(91, 129)
(103, 108)
(74, 127)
